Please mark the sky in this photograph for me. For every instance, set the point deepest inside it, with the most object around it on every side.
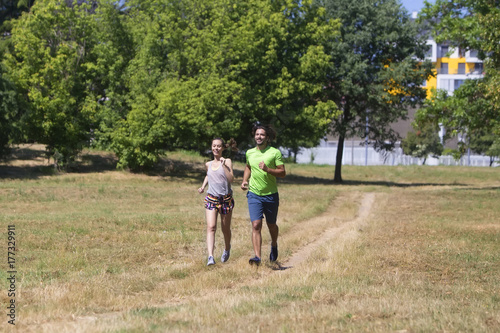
(414, 5)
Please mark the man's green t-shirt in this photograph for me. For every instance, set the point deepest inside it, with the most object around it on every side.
(262, 183)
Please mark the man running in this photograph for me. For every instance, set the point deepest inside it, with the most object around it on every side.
(264, 164)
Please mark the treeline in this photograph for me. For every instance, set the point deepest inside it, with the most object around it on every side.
(142, 77)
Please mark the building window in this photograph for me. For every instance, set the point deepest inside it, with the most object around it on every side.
(445, 84)
(461, 69)
(428, 53)
(444, 51)
(444, 68)
(457, 84)
(478, 68)
(461, 52)
(473, 53)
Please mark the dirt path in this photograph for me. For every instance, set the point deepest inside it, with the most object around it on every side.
(329, 234)
(113, 320)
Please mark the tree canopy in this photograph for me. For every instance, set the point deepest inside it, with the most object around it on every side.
(53, 67)
(469, 112)
(11, 10)
(8, 112)
(9, 99)
(424, 141)
(486, 144)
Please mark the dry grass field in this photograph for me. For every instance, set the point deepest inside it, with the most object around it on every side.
(393, 249)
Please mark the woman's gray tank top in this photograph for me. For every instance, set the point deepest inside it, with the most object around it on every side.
(217, 181)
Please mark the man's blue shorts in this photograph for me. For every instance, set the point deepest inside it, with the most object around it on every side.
(267, 205)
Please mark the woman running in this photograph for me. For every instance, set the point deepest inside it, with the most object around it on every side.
(219, 199)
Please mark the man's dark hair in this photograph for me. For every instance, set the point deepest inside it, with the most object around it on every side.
(270, 132)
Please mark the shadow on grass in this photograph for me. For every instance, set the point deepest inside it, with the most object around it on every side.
(95, 163)
(28, 152)
(34, 166)
(31, 163)
(301, 180)
(168, 168)
(278, 267)
(25, 172)
(486, 188)
(394, 184)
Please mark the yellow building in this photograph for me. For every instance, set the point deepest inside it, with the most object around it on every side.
(452, 67)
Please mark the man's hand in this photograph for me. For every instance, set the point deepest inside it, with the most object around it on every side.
(263, 166)
(244, 186)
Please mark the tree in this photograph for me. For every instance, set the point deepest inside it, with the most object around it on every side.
(212, 68)
(285, 85)
(178, 83)
(468, 112)
(423, 142)
(55, 67)
(113, 55)
(472, 24)
(486, 144)
(11, 10)
(375, 74)
(494, 151)
(9, 102)
(9, 112)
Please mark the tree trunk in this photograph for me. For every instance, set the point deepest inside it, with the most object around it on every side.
(295, 152)
(338, 161)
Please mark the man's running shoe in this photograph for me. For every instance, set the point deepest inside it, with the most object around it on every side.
(254, 261)
(225, 255)
(274, 253)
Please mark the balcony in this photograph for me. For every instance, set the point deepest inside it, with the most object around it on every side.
(459, 72)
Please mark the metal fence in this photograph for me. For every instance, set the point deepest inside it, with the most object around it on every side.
(355, 155)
